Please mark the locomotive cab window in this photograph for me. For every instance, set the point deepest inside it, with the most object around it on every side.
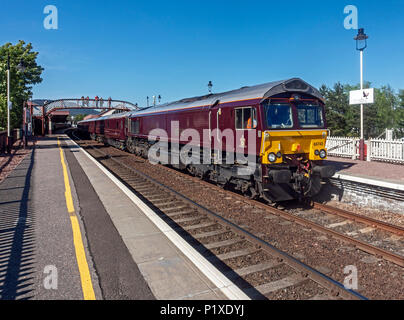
(310, 116)
(278, 115)
(246, 118)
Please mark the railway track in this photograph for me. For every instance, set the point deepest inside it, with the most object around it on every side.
(392, 252)
(359, 218)
(395, 245)
(260, 269)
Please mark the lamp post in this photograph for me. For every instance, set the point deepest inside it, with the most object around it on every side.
(8, 97)
(361, 45)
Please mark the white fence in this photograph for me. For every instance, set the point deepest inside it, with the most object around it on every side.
(377, 149)
(386, 150)
(343, 147)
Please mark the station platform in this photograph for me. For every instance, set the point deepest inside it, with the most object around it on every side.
(374, 173)
(67, 231)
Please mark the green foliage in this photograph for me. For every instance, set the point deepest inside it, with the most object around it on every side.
(77, 117)
(21, 82)
(399, 115)
(3, 111)
(344, 120)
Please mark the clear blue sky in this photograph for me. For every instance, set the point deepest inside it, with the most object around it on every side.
(131, 49)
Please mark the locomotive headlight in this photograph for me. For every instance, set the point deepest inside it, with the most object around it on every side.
(279, 154)
(272, 157)
(323, 154)
(317, 153)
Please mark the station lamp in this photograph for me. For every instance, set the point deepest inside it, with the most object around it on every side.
(361, 40)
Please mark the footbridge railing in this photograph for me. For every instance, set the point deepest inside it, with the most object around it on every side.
(85, 103)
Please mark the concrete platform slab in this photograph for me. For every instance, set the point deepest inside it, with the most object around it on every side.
(136, 226)
(145, 248)
(383, 174)
(171, 278)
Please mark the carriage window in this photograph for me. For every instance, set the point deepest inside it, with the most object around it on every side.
(246, 118)
(135, 126)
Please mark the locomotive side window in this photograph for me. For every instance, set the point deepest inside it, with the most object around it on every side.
(239, 119)
(246, 118)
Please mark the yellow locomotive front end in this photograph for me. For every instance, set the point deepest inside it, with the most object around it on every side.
(278, 146)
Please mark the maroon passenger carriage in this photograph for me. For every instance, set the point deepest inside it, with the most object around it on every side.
(279, 126)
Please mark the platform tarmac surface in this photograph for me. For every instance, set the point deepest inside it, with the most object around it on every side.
(123, 256)
(35, 231)
(371, 170)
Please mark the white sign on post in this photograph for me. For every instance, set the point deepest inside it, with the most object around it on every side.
(10, 105)
(364, 96)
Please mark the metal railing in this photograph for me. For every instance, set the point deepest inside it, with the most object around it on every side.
(89, 104)
(16, 135)
(3, 141)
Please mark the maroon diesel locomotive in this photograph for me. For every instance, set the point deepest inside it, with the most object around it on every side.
(266, 141)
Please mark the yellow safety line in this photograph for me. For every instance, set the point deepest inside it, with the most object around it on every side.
(86, 284)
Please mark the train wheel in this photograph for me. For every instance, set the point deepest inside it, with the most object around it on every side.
(252, 194)
(130, 146)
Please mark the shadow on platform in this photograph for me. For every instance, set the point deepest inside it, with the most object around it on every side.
(17, 248)
(339, 165)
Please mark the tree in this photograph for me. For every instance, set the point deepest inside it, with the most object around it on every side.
(21, 82)
(387, 112)
(79, 117)
(341, 117)
(76, 118)
(3, 111)
(385, 105)
(399, 115)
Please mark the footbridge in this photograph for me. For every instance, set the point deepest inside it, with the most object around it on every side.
(43, 114)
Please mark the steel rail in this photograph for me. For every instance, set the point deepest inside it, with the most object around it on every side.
(359, 218)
